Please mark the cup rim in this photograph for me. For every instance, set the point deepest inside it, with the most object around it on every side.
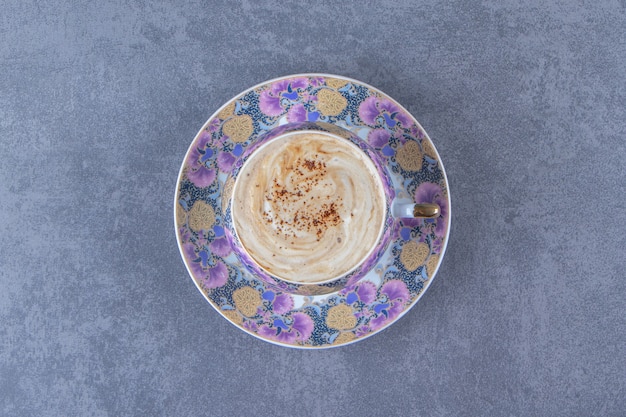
(371, 166)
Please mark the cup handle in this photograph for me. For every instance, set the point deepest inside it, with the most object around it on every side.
(425, 210)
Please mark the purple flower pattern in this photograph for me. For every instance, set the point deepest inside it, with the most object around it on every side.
(272, 100)
(375, 112)
(210, 276)
(200, 172)
(277, 322)
(429, 192)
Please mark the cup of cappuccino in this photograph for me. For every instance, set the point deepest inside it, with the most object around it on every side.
(312, 208)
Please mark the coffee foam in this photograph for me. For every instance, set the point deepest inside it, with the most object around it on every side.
(308, 207)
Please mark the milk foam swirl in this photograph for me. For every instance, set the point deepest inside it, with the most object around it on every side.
(308, 207)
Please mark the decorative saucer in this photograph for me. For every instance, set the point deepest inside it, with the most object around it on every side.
(276, 314)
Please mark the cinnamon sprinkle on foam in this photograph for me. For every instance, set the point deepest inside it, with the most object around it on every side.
(315, 218)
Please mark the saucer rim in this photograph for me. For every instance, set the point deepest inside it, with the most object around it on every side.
(426, 284)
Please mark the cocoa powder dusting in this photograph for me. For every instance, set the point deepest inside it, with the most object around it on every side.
(314, 218)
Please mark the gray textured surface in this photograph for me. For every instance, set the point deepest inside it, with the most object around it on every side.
(526, 104)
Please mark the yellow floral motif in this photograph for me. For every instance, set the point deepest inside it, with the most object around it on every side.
(233, 316)
(410, 156)
(227, 111)
(239, 128)
(431, 265)
(330, 102)
(247, 300)
(340, 317)
(227, 192)
(314, 290)
(181, 216)
(428, 149)
(413, 255)
(201, 216)
(335, 83)
(344, 337)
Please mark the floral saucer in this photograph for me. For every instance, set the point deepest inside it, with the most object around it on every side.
(202, 206)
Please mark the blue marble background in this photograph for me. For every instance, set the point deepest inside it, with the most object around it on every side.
(526, 102)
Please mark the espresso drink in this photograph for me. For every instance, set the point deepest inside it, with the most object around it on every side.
(308, 207)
